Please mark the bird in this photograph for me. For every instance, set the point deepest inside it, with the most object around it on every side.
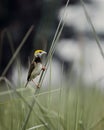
(35, 67)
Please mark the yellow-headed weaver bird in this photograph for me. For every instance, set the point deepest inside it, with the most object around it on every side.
(35, 66)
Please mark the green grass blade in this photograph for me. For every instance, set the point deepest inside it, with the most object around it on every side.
(93, 28)
(18, 50)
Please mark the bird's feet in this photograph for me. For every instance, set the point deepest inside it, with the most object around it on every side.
(43, 68)
(38, 85)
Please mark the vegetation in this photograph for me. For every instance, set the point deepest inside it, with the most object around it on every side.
(65, 108)
(68, 107)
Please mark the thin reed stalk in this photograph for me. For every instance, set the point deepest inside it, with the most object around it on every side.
(19, 90)
(18, 50)
(54, 42)
(10, 84)
(50, 54)
(96, 124)
(38, 126)
(10, 40)
(93, 28)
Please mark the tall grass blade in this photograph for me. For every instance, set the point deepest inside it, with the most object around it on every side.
(96, 124)
(38, 126)
(19, 90)
(10, 41)
(54, 42)
(18, 50)
(51, 51)
(76, 110)
(9, 84)
(93, 28)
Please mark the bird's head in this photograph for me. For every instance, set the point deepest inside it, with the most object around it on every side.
(39, 53)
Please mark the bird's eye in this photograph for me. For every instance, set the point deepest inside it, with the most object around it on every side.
(40, 52)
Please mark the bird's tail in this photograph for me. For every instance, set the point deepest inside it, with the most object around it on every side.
(26, 84)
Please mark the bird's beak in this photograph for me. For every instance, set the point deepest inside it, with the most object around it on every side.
(44, 52)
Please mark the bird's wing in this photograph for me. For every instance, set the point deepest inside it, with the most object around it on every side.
(32, 66)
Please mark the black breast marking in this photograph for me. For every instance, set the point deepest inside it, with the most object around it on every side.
(37, 60)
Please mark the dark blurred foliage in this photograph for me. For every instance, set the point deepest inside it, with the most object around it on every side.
(16, 17)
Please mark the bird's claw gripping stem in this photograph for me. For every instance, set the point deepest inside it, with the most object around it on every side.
(43, 68)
